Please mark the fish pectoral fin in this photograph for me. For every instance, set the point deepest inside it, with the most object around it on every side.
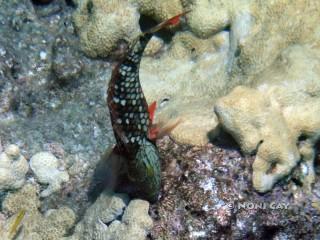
(169, 127)
(160, 130)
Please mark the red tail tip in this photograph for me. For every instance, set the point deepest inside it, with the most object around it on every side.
(176, 19)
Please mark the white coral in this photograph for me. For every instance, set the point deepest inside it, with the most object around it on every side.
(46, 168)
(13, 168)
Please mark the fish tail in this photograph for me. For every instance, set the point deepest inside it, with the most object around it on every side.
(170, 22)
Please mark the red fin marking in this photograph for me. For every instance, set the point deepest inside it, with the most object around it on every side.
(153, 133)
(152, 109)
(176, 19)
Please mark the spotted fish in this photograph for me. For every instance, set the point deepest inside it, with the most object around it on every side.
(131, 120)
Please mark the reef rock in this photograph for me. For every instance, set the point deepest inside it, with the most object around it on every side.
(13, 168)
(46, 168)
(255, 33)
(110, 218)
(214, 198)
(102, 24)
(54, 224)
(260, 30)
(280, 120)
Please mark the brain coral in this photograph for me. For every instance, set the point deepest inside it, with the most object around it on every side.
(101, 24)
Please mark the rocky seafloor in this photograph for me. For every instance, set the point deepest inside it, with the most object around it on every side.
(53, 109)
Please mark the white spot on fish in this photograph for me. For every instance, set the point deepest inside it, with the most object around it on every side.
(122, 72)
(116, 100)
(123, 102)
(134, 102)
(119, 121)
(127, 121)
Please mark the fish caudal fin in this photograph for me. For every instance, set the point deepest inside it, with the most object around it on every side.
(170, 22)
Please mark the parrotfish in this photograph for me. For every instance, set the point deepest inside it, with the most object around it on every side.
(132, 119)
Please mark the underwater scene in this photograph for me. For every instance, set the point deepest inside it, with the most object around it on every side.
(159, 119)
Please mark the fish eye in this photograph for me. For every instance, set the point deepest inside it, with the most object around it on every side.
(164, 101)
